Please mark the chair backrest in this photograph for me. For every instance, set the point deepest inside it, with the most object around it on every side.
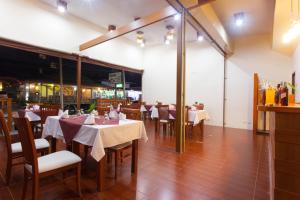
(163, 112)
(186, 112)
(102, 110)
(130, 113)
(48, 110)
(5, 131)
(27, 142)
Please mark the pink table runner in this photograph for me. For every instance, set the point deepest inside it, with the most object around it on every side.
(71, 126)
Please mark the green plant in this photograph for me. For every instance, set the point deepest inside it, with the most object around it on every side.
(92, 107)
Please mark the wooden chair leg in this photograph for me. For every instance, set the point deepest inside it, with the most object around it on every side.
(116, 163)
(86, 151)
(121, 155)
(25, 184)
(35, 187)
(8, 170)
(78, 174)
(164, 128)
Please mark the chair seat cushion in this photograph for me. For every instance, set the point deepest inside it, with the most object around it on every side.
(39, 144)
(164, 121)
(121, 146)
(55, 161)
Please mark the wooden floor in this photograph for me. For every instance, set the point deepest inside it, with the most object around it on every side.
(223, 164)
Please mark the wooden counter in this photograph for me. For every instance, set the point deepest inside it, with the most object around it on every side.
(284, 151)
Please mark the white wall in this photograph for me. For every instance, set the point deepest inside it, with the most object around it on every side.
(204, 80)
(251, 54)
(204, 77)
(36, 23)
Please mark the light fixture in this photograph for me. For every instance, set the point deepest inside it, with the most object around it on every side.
(294, 30)
(1, 86)
(62, 6)
(200, 37)
(177, 17)
(167, 42)
(140, 37)
(171, 32)
(111, 28)
(239, 19)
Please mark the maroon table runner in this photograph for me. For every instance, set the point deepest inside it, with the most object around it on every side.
(173, 113)
(148, 107)
(71, 126)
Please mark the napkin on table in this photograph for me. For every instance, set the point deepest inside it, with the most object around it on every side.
(90, 120)
(113, 114)
(122, 116)
(64, 114)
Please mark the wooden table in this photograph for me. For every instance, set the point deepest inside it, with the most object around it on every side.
(100, 137)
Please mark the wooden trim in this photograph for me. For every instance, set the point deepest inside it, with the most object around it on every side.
(255, 102)
(200, 3)
(135, 25)
(36, 49)
(70, 56)
(78, 83)
(85, 59)
(180, 91)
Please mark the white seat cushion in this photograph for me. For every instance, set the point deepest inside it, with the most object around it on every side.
(164, 121)
(55, 161)
(39, 144)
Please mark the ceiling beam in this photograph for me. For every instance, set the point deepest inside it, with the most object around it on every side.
(199, 3)
(135, 25)
(199, 21)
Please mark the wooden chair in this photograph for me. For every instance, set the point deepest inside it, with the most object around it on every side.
(199, 106)
(163, 117)
(36, 168)
(133, 114)
(188, 124)
(102, 110)
(45, 111)
(14, 150)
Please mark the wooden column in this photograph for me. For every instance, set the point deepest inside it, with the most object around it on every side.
(255, 102)
(61, 84)
(78, 82)
(180, 90)
(124, 83)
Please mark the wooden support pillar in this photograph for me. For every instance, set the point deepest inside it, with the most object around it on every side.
(180, 90)
(78, 82)
(61, 84)
(124, 83)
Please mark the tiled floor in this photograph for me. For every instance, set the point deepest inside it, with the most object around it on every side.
(223, 164)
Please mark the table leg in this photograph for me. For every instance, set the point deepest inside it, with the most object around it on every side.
(101, 174)
(134, 156)
(76, 148)
(53, 144)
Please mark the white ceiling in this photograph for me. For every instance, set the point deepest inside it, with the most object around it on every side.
(258, 14)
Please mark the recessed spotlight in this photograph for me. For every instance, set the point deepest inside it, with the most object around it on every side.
(111, 28)
(177, 17)
(143, 43)
(239, 19)
(200, 37)
(140, 37)
(62, 6)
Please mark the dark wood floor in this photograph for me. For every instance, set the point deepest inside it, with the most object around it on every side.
(223, 164)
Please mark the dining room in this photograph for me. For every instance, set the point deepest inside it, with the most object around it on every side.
(148, 99)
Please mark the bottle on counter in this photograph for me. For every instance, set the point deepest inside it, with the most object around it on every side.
(277, 94)
(284, 94)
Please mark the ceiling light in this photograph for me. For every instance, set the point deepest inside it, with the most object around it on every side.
(140, 37)
(167, 42)
(111, 28)
(62, 6)
(171, 32)
(177, 17)
(143, 43)
(239, 19)
(200, 37)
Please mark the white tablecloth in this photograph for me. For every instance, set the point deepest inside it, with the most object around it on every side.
(194, 116)
(31, 116)
(100, 136)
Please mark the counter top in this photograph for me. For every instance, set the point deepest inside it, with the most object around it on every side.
(286, 109)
